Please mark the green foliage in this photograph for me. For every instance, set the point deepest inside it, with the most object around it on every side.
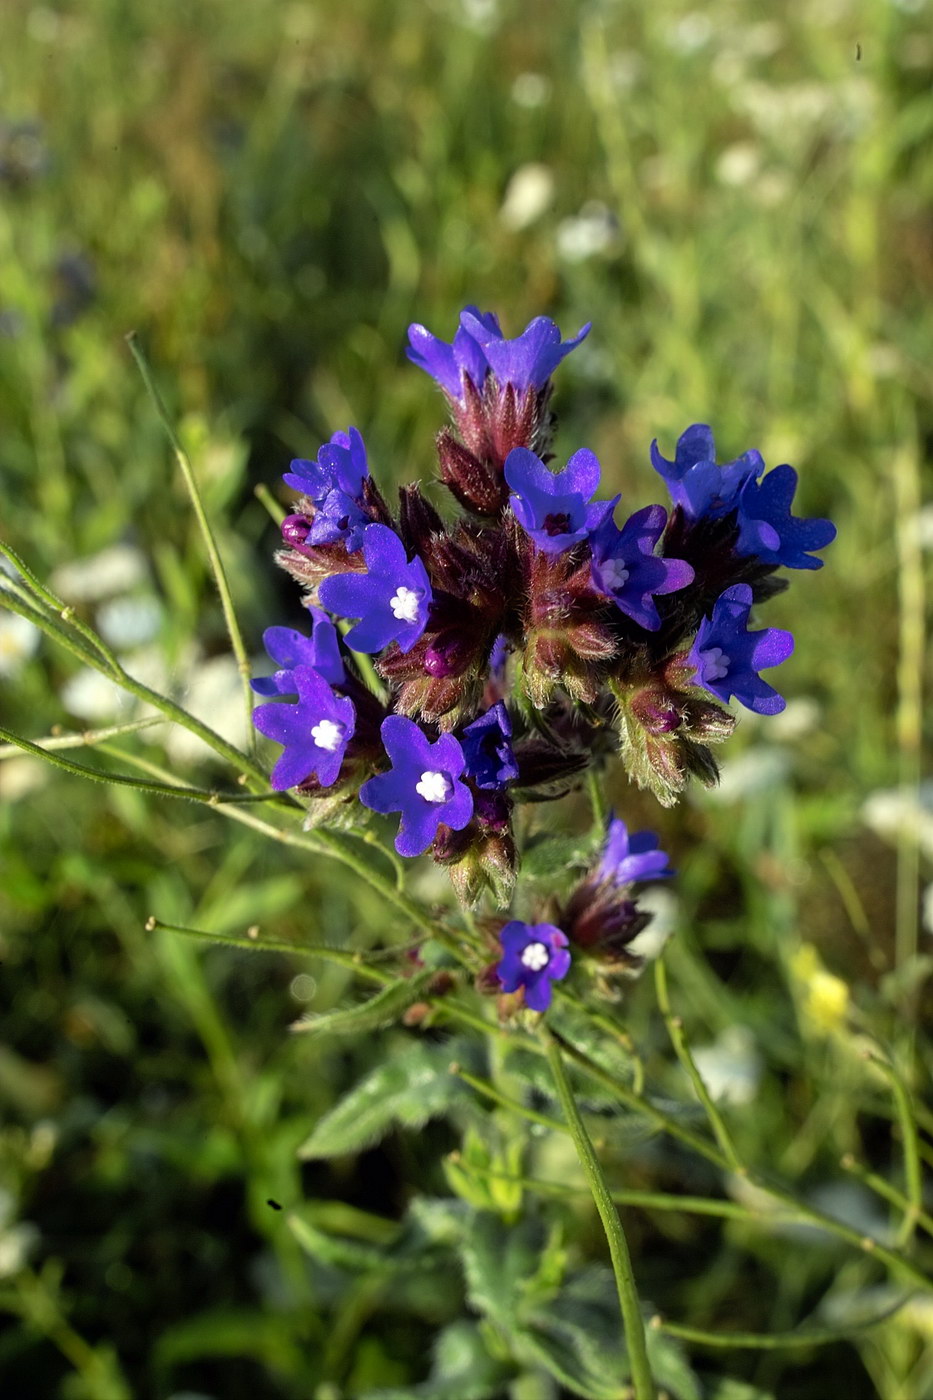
(407, 1091)
(381, 1010)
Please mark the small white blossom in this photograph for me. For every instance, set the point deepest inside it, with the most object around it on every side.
(535, 956)
(433, 787)
(404, 604)
(327, 735)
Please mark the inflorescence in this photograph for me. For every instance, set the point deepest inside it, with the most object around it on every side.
(524, 641)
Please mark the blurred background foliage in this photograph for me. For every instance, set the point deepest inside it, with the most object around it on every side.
(739, 196)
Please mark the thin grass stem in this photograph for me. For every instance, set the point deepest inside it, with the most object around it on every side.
(632, 1320)
(207, 534)
(675, 1030)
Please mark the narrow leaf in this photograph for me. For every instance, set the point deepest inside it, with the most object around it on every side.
(381, 1010)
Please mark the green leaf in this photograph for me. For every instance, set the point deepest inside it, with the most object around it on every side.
(499, 1262)
(549, 857)
(725, 1388)
(670, 1367)
(577, 1337)
(462, 1370)
(404, 1092)
(381, 1010)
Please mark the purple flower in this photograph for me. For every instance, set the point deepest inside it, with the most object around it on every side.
(290, 649)
(340, 464)
(392, 599)
(727, 657)
(533, 956)
(627, 859)
(338, 517)
(499, 656)
(552, 506)
(449, 363)
(315, 731)
(626, 569)
(528, 361)
(423, 785)
(487, 748)
(694, 479)
(334, 482)
(767, 529)
(479, 347)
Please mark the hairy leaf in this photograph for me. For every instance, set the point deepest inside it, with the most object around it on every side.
(404, 1092)
(462, 1370)
(381, 1010)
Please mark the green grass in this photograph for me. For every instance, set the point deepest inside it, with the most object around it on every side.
(269, 194)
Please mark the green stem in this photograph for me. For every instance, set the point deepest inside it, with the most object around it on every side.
(244, 765)
(615, 1236)
(894, 1262)
(489, 1091)
(889, 1193)
(99, 775)
(675, 1030)
(910, 1143)
(343, 957)
(647, 1200)
(85, 740)
(58, 605)
(207, 534)
(775, 1341)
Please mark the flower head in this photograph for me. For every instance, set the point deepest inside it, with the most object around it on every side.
(315, 732)
(341, 465)
(334, 484)
(391, 599)
(626, 569)
(694, 479)
(487, 748)
(479, 348)
(423, 785)
(533, 956)
(289, 649)
(727, 657)
(767, 529)
(552, 506)
(627, 859)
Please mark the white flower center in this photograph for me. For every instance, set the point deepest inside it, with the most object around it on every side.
(327, 735)
(535, 956)
(615, 574)
(404, 605)
(715, 663)
(434, 787)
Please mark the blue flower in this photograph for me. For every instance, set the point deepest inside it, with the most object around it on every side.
(334, 482)
(487, 748)
(627, 859)
(315, 732)
(392, 599)
(289, 649)
(552, 506)
(727, 657)
(767, 529)
(533, 956)
(528, 361)
(340, 464)
(423, 785)
(626, 569)
(694, 479)
(479, 347)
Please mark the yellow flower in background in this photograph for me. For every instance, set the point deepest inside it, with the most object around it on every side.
(822, 998)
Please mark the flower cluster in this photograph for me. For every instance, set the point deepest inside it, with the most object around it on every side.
(519, 643)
